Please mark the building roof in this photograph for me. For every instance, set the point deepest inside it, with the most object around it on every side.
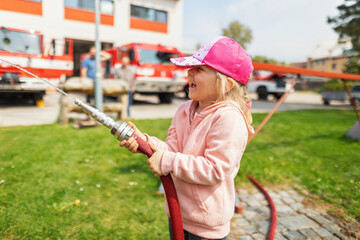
(332, 48)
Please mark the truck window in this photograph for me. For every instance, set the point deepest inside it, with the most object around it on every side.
(67, 48)
(280, 81)
(131, 55)
(15, 41)
(122, 52)
(156, 57)
(356, 89)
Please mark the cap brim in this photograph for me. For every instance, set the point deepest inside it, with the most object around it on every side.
(186, 61)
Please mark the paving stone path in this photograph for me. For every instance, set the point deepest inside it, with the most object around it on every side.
(295, 221)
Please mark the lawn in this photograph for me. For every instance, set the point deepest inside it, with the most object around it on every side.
(61, 183)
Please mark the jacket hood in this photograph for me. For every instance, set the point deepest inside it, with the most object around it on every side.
(216, 106)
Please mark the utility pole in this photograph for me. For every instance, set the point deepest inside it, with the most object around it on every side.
(98, 89)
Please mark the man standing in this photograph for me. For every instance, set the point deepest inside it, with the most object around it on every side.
(127, 74)
(88, 66)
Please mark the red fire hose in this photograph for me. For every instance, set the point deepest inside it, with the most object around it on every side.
(171, 196)
(173, 202)
(272, 229)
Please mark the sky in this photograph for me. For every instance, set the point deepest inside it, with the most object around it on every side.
(284, 30)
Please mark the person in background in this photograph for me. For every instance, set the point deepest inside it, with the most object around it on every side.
(126, 73)
(88, 66)
(206, 139)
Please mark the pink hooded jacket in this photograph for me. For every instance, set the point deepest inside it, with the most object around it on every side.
(203, 153)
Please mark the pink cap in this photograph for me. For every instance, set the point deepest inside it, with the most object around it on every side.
(222, 54)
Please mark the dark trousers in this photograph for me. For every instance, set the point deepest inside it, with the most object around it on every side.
(190, 236)
(130, 102)
(89, 98)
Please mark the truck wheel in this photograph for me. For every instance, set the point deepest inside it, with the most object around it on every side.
(326, 102)
(166, 97)
(262, 93)
(278, 95)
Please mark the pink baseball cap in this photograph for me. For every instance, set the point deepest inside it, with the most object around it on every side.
(222, 54)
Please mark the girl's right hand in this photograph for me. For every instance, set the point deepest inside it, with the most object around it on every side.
(131, 143)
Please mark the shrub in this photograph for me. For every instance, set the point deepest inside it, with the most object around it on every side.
(336, 85)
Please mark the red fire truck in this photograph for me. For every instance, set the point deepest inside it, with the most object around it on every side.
(155, 74)
(27, 49)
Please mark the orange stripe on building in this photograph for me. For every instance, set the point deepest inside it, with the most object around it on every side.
(87, 16)
(142, 24)
(21, 6)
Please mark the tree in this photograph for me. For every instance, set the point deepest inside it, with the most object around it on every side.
(347, 23)
(239, 32)
(352, 66)
(266, 60)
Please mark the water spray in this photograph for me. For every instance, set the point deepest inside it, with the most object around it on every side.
(121, 130)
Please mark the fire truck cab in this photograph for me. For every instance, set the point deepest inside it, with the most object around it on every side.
(27, 50)
(154, 73)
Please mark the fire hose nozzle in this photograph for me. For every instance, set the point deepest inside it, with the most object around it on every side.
(119, 130)
(122, 131)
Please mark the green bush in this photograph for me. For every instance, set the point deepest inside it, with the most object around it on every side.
(336, 85)
(353, 66)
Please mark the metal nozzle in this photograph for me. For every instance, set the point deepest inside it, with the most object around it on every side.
(120, 130)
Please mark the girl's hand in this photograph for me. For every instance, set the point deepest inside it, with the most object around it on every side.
(137, 131)
(154, 161)
(131, 143)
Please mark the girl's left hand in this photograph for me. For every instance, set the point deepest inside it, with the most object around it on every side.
(154, 161)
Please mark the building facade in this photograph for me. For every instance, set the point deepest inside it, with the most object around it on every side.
(329, 56)
(122, 21)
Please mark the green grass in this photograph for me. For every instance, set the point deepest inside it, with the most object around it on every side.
(46, 168)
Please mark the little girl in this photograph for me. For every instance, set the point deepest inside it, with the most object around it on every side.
(207, 138)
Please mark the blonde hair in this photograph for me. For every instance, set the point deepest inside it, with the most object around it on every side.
(237, 93)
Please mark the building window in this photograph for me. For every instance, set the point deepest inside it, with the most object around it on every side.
(148, 14)
(334, 66)
(106, 6)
